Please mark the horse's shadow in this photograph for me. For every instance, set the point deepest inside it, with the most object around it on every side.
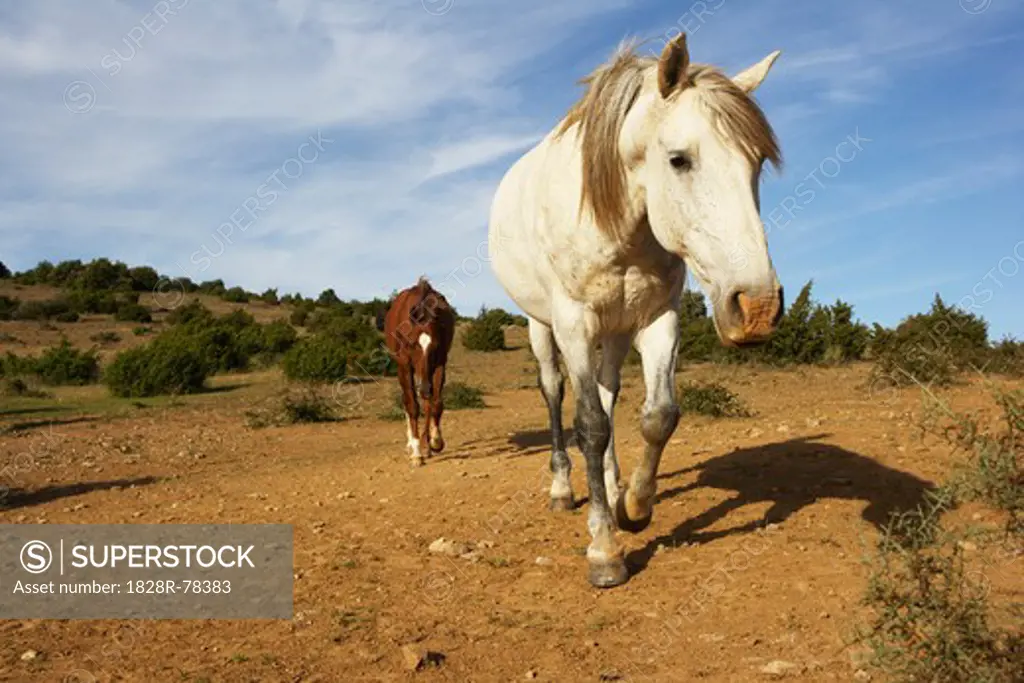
(790, 475)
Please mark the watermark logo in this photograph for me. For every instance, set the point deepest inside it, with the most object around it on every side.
(437, 7)
(36, 557)
(79, 97)
(975, 6)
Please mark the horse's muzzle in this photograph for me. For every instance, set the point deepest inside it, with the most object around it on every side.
(747, 318)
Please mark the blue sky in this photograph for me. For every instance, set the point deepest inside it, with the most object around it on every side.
(137, 130)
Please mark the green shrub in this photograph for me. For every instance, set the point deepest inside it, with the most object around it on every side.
(67, 317)
(236, 295)
(395, 409)
(364, 345)
(461, 396)
(100, 303)
(300, 316)
(994, 470)
(193, 310)
(17, 387)
(1007, 357)
(305, 406)
(8, 307)
(484, 333)
(317, 358)
(711, 399)
(136, 313)
(309, 406)
(41, 310)
(930, 348)
(270, 297)
(64, 364)
(142, 331)
(17, 366)
(5, 272)
(212, 287)
(167, 365)
(106, 337)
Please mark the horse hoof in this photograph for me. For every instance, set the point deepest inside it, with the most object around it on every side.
(416, 462)
(623, 521)
(608, 574)
(437, 446)
(563, 504)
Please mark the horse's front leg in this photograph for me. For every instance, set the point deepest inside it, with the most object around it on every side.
(658, 344)
(412, 412)
(425, 385)
(607, 565)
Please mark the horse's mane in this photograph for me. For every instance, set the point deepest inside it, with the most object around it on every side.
(612, 89)
(428, 302)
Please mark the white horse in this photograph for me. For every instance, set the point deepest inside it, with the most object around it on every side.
(654, 170)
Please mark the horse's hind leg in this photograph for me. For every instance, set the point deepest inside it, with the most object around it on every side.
(552, 385)
(658, 344)
(613, 353)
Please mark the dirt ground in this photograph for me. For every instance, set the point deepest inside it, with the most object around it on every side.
(754, 555)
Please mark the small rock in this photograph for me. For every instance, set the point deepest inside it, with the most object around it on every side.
(444, 546)
(861, 675)
(383, 501)
(783, 428)
(29, 655)
(530, 675)
(968, 546)
(485, 544)
(544, 561)
(413, 657)
(345, 495)
(778, 668)
(591, 643)
(812, 422)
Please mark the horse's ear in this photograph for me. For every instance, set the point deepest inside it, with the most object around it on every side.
(672, 65)
(751, 77)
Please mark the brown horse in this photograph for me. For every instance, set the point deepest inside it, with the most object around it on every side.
(419, 328)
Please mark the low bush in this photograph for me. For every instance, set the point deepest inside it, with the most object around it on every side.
(133, 312)
(317, 358)
(462, 396)
(932, 619)
(17, 387)
(167, 365)
(930, 348)
(106, 337)
(64, 364)
(711, 399)
(484, 333)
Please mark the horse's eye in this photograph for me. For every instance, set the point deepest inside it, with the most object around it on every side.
(680, 162)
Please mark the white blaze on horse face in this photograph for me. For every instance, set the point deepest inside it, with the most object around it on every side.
(425, 342)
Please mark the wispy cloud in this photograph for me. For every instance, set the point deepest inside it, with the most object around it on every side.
(475, 152)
